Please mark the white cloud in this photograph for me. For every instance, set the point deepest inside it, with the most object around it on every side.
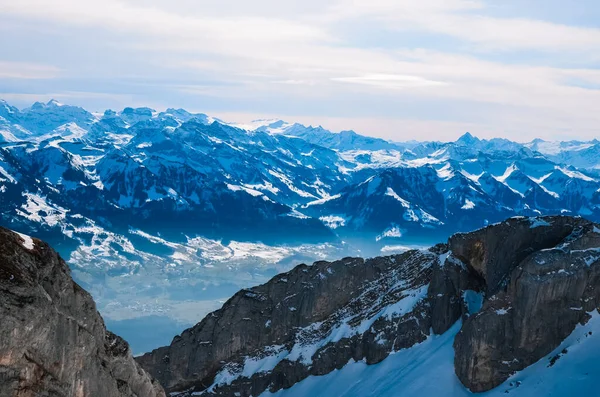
(295, 82)
(157, 23)
(512, 34)
(395, 8)
(299, 51)
(23, 70)
(467, 20)
(394, 81)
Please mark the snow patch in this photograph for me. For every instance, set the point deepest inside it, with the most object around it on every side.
(575, 174)
(333, 221)
(503, 311)
(538, 222)
(322, 201)
(446, 172)
(390, 192)
(509, 170)
(286, 181)
(237, 188)
(27, 241)
(469, 205)
(393, 232)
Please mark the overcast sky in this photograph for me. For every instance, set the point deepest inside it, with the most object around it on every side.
(398, 69)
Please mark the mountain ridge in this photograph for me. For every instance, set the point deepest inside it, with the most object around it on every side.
(505, 282)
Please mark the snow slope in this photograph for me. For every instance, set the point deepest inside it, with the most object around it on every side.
(427, 370)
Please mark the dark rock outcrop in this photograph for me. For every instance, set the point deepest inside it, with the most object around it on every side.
(450, 281)
(494, 251)
(52, 340)
(308, 321)
(520, 287)
(547, 292)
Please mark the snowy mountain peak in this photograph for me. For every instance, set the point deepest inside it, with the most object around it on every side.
(6, 110)
(36, 106)
(272, 126)
(54, 102)
(467, 139)
(141, 110)
(288, 166)
(270, 122)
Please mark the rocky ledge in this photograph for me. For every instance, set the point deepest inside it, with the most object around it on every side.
(53, 341)
(520, 287)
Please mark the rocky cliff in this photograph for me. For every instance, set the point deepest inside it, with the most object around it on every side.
(536, 294)
(520, 287)
(310, 320)
(52, 340)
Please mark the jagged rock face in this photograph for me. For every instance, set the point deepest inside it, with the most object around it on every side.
(494, 251)
(54, 342)
(547, 294)
(308, 321)
(520, 288)
(450, 281)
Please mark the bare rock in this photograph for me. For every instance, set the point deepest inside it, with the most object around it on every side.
(547, 294)
(492, 252)
(451, 283)
(520, 287)
(309, 321)
(54, 342)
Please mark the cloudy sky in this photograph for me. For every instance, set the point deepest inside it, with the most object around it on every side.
(398, 69)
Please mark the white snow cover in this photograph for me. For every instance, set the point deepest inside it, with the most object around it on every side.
(333, 221)
(268, 186)
(27, 241)
(6, 175)
(393, 249)
(303, 351)
(427, 370)
(390, 192)
(322, 201)
(512, 168)
(296, 214)
(237, 188)
(393, 231)
(378, 158)
(537, 222)
(554, 148)
(446, 172)
(290, 185)
(469, 205)
(37, 209)
(474, 178)
(575, 174)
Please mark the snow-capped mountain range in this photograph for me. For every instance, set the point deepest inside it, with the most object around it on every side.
(178, 173)
(178, 192)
